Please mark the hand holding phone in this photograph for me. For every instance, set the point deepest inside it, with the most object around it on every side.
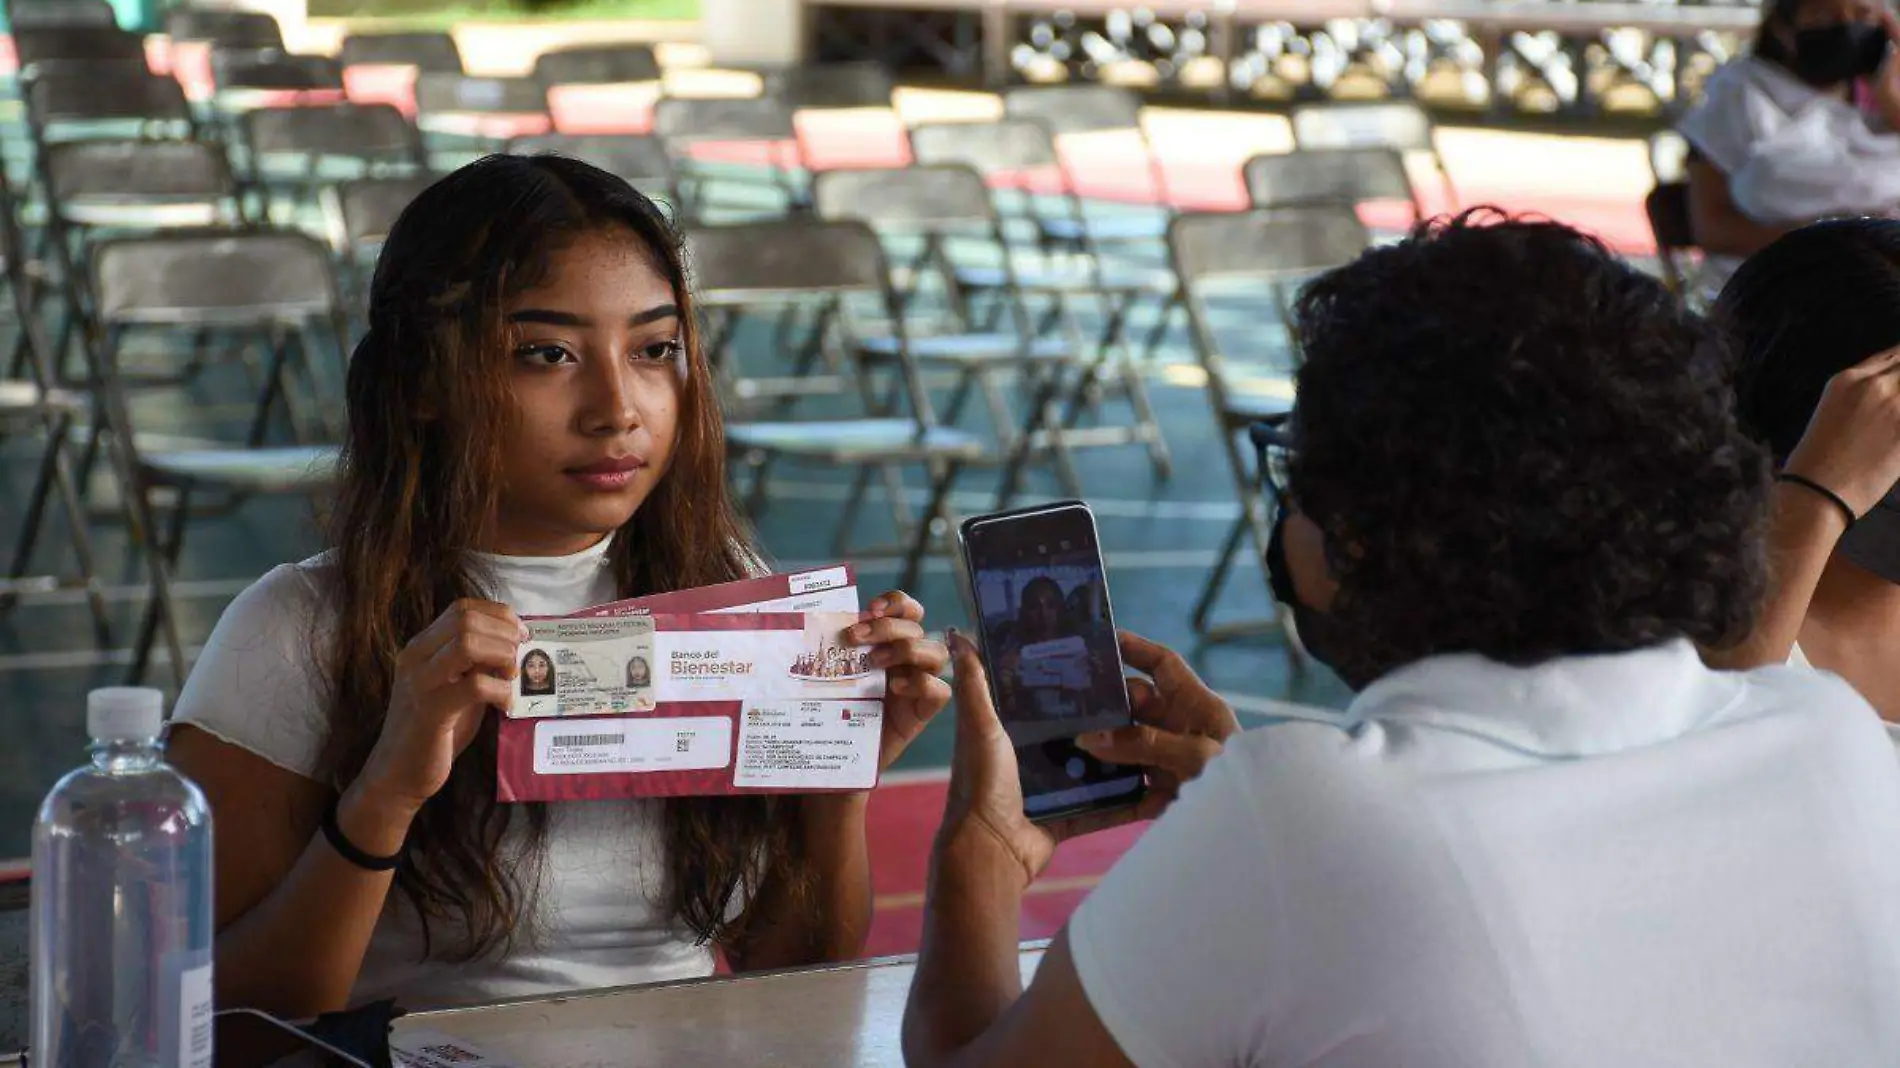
(1044, 621)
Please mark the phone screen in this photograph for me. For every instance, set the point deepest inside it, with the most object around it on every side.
(1048, 636)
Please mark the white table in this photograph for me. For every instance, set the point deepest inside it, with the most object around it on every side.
(846, 1016)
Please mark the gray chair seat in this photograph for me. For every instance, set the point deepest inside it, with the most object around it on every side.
(1070, 280)
(855, 440)
(969, 349)
(1107, 228)
(140, 214)
(25, 398)
(258, 470)
(1242, 409)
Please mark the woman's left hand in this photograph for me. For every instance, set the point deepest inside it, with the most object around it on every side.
(893, 626)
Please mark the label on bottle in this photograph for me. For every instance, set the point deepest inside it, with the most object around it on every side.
(194, 1017)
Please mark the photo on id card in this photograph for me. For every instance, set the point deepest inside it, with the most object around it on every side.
(585, 667)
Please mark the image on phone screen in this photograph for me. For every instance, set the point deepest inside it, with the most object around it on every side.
(1048, 635)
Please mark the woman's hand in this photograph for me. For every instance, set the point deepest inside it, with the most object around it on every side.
(1852, 444)
(894, 627)
(984, 814)
(447, 678)
(1179, 726)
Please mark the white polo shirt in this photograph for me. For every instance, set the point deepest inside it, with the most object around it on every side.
(1610, 860)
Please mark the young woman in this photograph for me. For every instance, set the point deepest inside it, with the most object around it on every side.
(532, 430)
(1814, 322)
(1801, 129)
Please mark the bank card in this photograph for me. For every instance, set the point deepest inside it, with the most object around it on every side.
(750, 689)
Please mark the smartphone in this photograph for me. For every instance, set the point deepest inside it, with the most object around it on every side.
(1039, 594)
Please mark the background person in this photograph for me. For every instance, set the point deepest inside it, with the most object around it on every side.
(1813, 322)
(532, 430)
(1802, 128)
(1548, 834)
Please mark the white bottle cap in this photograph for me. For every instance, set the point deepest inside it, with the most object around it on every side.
(122, 713)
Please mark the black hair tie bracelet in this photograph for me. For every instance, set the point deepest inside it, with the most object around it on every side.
(333, 834)
(1832, 497)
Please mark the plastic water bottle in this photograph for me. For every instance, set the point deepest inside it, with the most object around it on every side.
(121, 922)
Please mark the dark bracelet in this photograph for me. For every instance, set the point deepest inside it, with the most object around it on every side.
(333, 834)
(1832, 497)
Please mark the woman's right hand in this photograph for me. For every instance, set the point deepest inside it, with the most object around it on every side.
(447, 678)
(1179, 725)
(1852, 444)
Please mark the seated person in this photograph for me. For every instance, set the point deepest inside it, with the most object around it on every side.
(1781, 136)
(1813, 323)
(1546, 833)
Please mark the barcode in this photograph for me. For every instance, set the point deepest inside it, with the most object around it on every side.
(560, 740)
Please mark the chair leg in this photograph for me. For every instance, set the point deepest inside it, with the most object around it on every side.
(1217, 578)
(160, 609)
(69, 500)
(938, 509)
(1158, 333)
(36, 506)
(273, 390)
(1146, 420)
(848, 520)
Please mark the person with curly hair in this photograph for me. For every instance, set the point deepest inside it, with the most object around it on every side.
(1545, 832)
(1813, 323)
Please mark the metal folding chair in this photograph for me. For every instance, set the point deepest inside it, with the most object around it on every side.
(834, 264)
(487, 111)
(613, 64)
(33, 403)
(222, 27)
(428, 52)
(1312, 177)
(1396, 124)
(276, 286)
(358, 215)
(833, 86)
(685, 125)
(292, 153)
(642, 161)
(61, 14)
(944, 207)
(1259, 253)
(73, 101)
(100, 44)
(1075, 110)
(247, 78)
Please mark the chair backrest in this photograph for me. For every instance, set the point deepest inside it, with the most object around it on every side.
(1271, 245)
(1668, 157)
(864, 84)
(990, 147)
(132, 170)
(355, 131)
(213, 276)
(683, 120)
(1327, 176)
(440, 92)
(631, 156)
(69, 94)
(92, 43)
(923, 197)
(424, 51)
(224, 27)
(783, 256)
(1395, 124)
(598, 65)
(1074, 109)
(270, 68)
(363, 211)
(60, 14)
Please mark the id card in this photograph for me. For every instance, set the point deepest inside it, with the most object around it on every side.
(585, 667)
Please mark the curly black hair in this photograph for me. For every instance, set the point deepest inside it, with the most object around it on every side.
(1522, 447)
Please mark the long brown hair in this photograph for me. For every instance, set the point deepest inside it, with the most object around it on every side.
(428, 397)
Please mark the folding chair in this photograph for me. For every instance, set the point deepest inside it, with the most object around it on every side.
(358, 215)
(642, 161)
(224, 27)
(244, 79)
(1670, 222)
(801, 261)
(33, 403)
(1080, 110)
(1396, 124)
(484, 110)
(941, 206)
(101, 44)
(758, 125)
(1311, 177)
(274, 285)
(426, 51)
(73, 101)
(613, 64)
(293, 153)
(1259, 253)
(61, 14)
(601, 89)
(833, 86)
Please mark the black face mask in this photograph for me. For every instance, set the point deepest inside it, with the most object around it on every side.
(1318, 633)
(1843, 51)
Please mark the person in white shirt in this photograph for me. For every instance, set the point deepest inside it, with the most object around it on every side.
(1813, 322)
(1801, 129)
(532, 429)
(1547, 834)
